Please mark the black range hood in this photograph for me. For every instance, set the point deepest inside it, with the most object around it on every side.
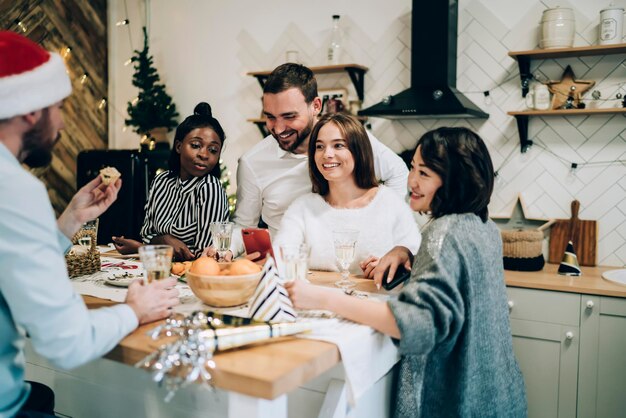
(433, 92)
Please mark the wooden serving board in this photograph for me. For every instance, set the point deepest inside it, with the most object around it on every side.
(583, 234)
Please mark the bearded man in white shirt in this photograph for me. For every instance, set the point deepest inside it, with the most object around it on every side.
(36, 296)
(274, 172)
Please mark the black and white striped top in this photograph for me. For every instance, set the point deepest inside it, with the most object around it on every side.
(184, 209)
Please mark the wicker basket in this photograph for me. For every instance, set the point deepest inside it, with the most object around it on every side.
(522, 249)
(83, 262)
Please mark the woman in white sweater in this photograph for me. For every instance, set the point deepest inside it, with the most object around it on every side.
(346, 195)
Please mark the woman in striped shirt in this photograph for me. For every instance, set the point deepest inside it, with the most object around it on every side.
(184, 200)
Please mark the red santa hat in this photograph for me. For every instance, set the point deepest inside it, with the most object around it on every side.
(31, 78)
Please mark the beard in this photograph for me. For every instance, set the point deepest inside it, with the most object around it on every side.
(36, 144)
(300, 137)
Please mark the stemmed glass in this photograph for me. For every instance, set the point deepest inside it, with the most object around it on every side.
(345, 246)
(294, 262)
(221, 234)
(157, 261)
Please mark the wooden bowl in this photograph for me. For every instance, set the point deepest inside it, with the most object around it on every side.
(223, 291)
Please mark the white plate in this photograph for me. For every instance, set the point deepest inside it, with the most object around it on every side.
(616, 276)
(121, 281)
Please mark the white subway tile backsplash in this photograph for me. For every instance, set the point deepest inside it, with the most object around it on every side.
(488, 30)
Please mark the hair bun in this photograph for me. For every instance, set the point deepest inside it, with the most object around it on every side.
(203, 109)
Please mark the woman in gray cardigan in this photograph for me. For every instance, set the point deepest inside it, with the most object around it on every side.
(451, 319)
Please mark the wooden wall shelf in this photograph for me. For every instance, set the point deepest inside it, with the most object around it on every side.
(524, 57)
(568, 112)
(355, 71)
(522, 119)
(523, 60)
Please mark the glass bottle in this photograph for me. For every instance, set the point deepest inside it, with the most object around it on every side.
(334, 48)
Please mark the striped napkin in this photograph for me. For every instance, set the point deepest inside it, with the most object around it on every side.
(270, 302)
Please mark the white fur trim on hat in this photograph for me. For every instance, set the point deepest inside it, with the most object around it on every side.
(41, 87)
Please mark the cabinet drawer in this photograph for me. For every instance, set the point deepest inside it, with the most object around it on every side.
(544, 305)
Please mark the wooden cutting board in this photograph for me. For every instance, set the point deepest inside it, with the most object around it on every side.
(583, 234)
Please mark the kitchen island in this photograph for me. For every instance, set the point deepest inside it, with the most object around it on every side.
(289, 377)
(304, 377)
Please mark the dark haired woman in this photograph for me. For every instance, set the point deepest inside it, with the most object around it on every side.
(346, 195)
(450, 321)
(184, 200)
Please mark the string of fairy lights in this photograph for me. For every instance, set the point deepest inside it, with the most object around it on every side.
(574, 166)
(620, 93)
(21, 25)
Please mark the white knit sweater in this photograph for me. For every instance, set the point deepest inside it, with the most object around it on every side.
(385, 222)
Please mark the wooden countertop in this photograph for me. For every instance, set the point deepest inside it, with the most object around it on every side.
(267, 370)
(590, 282)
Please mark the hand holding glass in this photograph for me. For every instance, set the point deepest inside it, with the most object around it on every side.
(221, 234)
(345, 248)
(157, 261)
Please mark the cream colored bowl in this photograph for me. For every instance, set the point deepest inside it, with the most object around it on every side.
(223, 291)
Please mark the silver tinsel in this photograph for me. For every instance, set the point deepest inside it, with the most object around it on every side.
(189, 357)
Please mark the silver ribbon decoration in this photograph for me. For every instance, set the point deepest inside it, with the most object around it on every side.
(189, 357)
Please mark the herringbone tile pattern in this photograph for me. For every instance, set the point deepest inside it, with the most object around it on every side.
(487, 31)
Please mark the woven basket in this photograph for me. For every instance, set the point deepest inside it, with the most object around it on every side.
(87, 262)
(522, 243)
(522, 249)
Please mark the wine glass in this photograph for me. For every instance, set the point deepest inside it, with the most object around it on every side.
(294, 262)
(345, 247)
(157, 261)
(221, 234)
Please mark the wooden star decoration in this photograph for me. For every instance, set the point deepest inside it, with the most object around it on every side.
(568, 85)
(519, 220)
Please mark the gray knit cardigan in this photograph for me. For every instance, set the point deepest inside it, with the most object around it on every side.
(456, 346)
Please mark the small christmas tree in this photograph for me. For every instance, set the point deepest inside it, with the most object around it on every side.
(153, 108)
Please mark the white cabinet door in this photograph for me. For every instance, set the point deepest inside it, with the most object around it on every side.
(545, 339)
(602, 365)
(548, 360)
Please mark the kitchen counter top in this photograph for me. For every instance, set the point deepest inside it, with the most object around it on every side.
(590, 282)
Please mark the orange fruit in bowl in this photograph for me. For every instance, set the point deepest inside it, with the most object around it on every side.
(206, 266)
(178, 268)
(243, 266)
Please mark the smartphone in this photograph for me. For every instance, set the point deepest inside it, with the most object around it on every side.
(401, 275)
(257, 239)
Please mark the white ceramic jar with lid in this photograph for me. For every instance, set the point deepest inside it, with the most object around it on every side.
(611, 26)
(557, 28)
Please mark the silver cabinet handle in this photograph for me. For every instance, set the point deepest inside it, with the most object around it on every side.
(589, 304)
(569, 335)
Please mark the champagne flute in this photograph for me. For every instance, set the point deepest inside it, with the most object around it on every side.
(294, 261)
(221, 234)
(345, 248)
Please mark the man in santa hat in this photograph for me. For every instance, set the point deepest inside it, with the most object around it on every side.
(36, 296)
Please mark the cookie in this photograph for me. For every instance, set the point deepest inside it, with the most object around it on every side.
(109, 175)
